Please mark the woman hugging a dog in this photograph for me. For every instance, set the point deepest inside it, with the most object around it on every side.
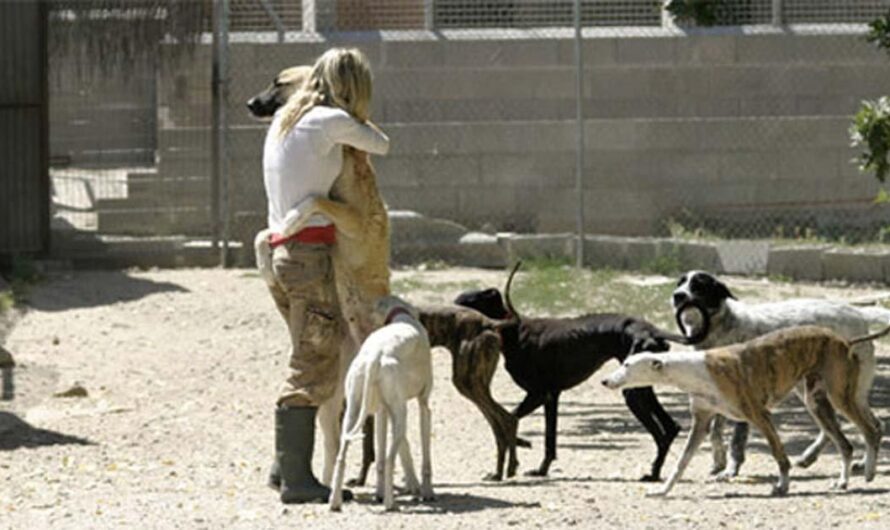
(302, 157)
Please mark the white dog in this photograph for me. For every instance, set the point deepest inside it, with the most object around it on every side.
(745, 381)
(733, 321)
(393, 366)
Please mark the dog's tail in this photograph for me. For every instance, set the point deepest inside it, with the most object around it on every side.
(513, 313)
(871, 337)
(263, 251)
(355, 431)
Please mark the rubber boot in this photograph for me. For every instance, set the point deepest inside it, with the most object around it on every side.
(294, 443)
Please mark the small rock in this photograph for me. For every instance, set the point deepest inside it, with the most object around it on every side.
(76, 390)
(6, 360)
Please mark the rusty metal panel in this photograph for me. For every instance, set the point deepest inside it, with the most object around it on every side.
(24, 196)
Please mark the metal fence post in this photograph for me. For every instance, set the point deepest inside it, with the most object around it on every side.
(319, 15)
(579, 160)
(429, 15)
(276, 20)
(219, 207)
(777, 13)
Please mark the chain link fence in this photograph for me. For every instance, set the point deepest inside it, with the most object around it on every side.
(729, 126)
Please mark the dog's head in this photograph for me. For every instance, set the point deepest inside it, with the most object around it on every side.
(487, 301)
(273, 97)
(706, 293)
(636, 371)
(703, 289)
(387, 307)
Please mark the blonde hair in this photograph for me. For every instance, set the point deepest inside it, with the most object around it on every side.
(340, 78)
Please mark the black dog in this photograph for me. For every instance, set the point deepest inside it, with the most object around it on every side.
(545, 356)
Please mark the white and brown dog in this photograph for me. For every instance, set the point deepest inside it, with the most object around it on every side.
(745, 381)
(393, 366)
(733, 321)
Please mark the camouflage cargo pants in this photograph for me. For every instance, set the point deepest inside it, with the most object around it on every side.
(306, 297)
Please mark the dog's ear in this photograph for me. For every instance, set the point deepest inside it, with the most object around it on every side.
(657, 365)
(722, 290)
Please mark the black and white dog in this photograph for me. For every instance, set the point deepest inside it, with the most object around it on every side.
(733, 321)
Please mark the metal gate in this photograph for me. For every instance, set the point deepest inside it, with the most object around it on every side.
(24, 183)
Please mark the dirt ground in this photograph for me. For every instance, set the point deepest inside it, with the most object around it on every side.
(181, 369)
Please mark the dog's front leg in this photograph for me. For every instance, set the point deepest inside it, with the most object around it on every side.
(346, 218)
(297, 217)
(764, 423)
(718, 448)
(736, 450)
(697, 433)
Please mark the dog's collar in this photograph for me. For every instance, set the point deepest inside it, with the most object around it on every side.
(393, 313)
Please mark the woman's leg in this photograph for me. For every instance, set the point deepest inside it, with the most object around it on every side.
(306, 297)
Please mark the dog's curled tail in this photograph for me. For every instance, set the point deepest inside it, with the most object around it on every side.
(513, 313)
(873, 336)
(263, 251)
(355, 431)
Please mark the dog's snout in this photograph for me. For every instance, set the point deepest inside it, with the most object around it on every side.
(252, 103)
(680, 298)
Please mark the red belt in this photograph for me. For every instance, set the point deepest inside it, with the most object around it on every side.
(326, 235)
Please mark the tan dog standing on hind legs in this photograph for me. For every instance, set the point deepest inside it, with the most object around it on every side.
(745, 381)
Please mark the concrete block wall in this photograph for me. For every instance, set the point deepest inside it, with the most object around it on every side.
(482, 123)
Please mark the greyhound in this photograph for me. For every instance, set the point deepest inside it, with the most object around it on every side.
(734, 321)
(393, 366)
(745, 381)
(546, 356)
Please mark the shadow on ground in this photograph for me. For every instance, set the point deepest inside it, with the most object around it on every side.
(461, 503)
(15, 433)
(92, 289)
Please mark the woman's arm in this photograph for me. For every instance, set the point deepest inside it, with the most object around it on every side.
(342, 128)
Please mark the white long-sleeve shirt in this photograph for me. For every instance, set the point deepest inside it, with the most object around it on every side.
(306, 161)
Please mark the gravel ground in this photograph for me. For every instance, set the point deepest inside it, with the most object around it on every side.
(181, 369)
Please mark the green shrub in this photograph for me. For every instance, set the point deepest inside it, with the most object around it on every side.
(879, 32)
(871, 131)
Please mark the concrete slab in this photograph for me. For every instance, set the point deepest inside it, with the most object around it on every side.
(799, 262)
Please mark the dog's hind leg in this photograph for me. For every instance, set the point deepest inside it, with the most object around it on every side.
(821, 410)
(426, 470)
(329, 414)
(551, 413)
(380, 421)
(398, 413)
(368, 456)
(862, 416)
(700, 421)
(809, 456)
(644, 405)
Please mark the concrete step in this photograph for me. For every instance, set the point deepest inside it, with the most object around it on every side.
(85, 250)
(147, 188)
